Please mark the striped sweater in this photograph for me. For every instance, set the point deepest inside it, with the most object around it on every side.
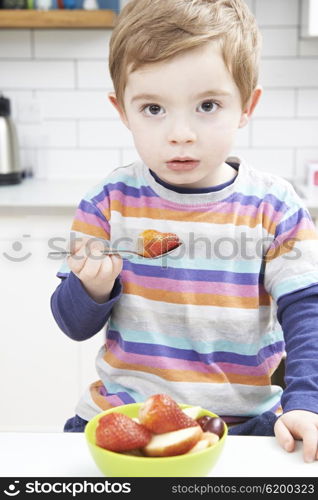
(199, 324)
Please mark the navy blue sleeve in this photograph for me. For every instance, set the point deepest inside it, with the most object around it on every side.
(298, 315)
(76, 313)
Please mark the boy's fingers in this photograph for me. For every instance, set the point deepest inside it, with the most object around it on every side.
(81, 250)
(110, 267)
(76, 261)
(77, 243)
(94, 258)
(283, 436)
(88, 261)
(310, 442)
(95, 248)
(76, 265)
(117, 264)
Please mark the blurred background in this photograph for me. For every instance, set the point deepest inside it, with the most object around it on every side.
(70, 137)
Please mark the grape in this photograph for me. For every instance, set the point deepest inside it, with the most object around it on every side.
(203, 420)
(215, 425)
(212, 424)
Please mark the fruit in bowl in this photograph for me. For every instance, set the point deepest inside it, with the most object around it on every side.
(131, 440)
(118, 432)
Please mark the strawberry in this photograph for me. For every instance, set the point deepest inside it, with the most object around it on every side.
(118, 432)
(154, 243)
(161, 414)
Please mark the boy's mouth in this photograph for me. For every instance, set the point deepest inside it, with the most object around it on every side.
(182, 164)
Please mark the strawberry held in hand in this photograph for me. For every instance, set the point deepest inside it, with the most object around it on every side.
(152, 243)
(161, 414)
(117, 432)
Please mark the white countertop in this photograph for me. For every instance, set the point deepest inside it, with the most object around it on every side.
(67, 455)
(67, 193)
(41, 193)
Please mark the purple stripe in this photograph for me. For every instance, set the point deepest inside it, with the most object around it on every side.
(249, 210)
(264, 368)
(125, 397)
(122, 397)
(191, 355)
(243, 199)
(88, 208)
(293, 220)
(92, 219)
(288, 235)
(193, 274)
(107, 191)
(114, 400)
(185, 286)
(216, 368)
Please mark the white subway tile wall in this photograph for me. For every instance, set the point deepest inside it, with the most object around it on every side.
(58, 81)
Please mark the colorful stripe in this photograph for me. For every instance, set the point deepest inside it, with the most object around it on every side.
(192, 355)
(192, 375)
(137, 337)
(195, 286)
(200, 299)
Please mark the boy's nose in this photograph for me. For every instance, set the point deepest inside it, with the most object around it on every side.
(181, 133)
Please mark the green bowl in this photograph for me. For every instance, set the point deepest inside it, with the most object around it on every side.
(114, 464)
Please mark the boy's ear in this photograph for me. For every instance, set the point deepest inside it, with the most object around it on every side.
(113, 99)
(251, 105)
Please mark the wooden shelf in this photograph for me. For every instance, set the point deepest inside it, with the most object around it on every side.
(40, 19)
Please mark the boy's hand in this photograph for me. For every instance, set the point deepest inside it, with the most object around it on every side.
(96, 271)
(298, 424)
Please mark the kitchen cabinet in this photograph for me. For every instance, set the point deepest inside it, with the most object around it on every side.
(42, 371)
(71, 19)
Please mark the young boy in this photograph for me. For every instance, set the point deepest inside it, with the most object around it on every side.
(210, 324)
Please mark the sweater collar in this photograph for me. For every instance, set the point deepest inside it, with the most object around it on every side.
(196, 198)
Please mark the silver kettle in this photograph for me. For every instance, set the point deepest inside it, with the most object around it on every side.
(10, 168)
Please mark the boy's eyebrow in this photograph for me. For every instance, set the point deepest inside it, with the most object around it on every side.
(155, 97)
(148, 97)
(217, 92)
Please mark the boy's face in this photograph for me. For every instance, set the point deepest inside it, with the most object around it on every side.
(191, 107)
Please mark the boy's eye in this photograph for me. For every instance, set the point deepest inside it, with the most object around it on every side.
(209, 106)
(152, 109)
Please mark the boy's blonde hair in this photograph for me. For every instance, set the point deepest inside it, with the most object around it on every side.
(149, 31)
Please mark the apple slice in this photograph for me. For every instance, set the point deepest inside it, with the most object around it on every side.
(173, 443)
(193, 411)
(211, 437)
(207, 439)
(203, 444)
